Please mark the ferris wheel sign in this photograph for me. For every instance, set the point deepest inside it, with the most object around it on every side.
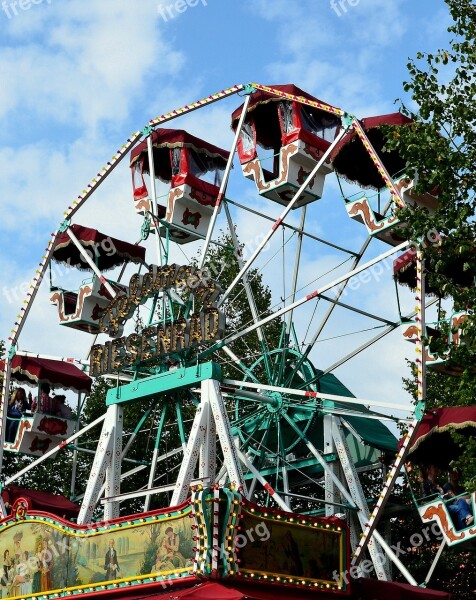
(164, 338)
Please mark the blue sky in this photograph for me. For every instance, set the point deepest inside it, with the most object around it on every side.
(78, 77)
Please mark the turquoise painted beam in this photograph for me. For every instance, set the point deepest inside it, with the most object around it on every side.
(155, 385)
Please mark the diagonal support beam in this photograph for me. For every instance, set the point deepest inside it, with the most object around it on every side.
(246, 267)
(303, 300)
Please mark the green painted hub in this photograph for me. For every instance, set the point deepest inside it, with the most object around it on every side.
(279, 402)
(263, 426)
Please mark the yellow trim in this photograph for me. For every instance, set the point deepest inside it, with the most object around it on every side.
(295, 578)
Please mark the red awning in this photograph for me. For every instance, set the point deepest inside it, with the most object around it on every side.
(107, 252)
(390, 590)
(43, 501)
(178, 138)
(404, 267)
(205, 591)
(433, 443)
(352, 161)
(362, 589)
(261, 97)
(239, 590)
(57, 373)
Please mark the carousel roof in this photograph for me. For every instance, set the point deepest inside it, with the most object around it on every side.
(261, 97)
(116, 253)
(57, 373)
(434, 443)
(177, 138)
(352, 161)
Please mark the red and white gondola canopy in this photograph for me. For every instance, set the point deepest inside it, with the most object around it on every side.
(274, 121)
(434, 443)
(106, 252)
(352, 161)
(57, 373)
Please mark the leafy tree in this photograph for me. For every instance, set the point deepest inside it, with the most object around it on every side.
(440, 151)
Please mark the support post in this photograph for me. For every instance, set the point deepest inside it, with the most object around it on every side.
(357, 493)
(191, 452)
(155, 456)
(211, 389)
(113, 471)
(330, 491)
(102, 460)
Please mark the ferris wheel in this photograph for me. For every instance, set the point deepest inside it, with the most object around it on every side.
(221, 343)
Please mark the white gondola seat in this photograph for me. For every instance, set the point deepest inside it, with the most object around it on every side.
(192, 170)
(297, 134)
(82, 309)
(38, 433)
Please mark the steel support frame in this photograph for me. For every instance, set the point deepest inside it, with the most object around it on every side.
(106, 467)
(302, 300)
(330, 491)
(374, 539)
(210, 421)
(246, 267)
(357, 494)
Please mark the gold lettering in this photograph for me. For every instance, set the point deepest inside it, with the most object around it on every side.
(106, 358)
(148, 348)
(181, 276)
(117, 353)
(164, 339)
(95, 360)
(147, 285)
(179, 337)
(135, 287)
(133, 344)
(195, 330)
(214, 324)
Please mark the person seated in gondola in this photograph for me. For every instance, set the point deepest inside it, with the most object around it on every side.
(453, 488)
(430, 488)
(17, 406)
(45, 403)
(62, 409)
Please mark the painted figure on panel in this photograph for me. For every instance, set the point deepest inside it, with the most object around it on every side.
(111, 564)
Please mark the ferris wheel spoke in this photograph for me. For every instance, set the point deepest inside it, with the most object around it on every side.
(224, 182)
(336, 299)
(282, 454)
(250, 437)
(240, 363)
(301, 301)
(259, 458)
(248, 291)
(245, 417)
(246, 267)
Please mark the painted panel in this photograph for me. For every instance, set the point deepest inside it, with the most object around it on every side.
(43, 556)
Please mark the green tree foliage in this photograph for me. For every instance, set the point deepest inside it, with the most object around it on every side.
(440, 149)
(222, 263)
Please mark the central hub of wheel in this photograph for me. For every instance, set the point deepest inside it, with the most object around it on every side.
(277, 402)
